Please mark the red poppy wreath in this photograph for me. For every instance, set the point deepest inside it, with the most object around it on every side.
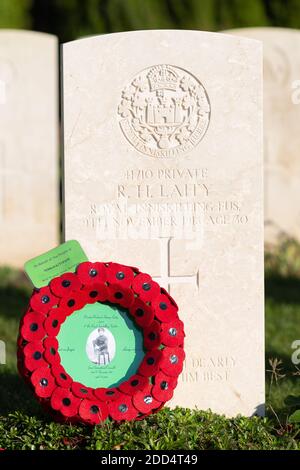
(151, 308)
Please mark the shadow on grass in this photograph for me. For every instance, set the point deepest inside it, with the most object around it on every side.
(283, 289)
(13, 301)
(287, 365)
(283, 392)
(16, 395)
(282, 326)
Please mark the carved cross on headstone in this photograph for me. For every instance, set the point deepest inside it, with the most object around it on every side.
(165, 278)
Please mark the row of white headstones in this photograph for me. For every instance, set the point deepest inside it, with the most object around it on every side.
(29, 139)
(108, 140)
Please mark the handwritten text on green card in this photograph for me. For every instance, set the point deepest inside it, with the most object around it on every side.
(64, 258)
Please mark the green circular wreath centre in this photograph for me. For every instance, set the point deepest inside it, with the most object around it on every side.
(100, 346)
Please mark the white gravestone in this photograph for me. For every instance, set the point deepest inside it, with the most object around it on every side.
(29, 212)
(281, 129)
(163, 170)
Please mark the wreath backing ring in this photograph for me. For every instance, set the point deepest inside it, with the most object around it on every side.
(152, 309)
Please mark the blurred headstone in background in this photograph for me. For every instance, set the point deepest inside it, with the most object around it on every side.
(281, 129)
(29, 202)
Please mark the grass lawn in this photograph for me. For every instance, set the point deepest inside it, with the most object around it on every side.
(23, 425)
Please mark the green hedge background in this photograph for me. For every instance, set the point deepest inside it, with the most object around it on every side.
(70, 19)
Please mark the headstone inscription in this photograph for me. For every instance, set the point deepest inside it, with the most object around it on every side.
(163, 170)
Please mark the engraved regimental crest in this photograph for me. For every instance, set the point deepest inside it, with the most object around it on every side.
(164, 111)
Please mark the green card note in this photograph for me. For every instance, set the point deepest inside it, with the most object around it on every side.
(64, 258)
(100, 346)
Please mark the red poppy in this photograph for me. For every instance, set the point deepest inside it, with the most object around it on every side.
(107, 394)
(28, 310)
(110, 264)
(142, 313)
(136, 382)
(53, 322)
(172, 333)
(32, 328)
(91, 273)
(93, 411)
(64, 401)
(144, 400)
(38, 358)
(150, 363)
(165, 292)
(42, 300)
(21, 342)
(64, 284)
(159, 408)
(33, 353)
(122, 275)
(122, 409)
(73, 301)
(172, 361)
(20, 355)
(164, 309)
(32, 347)
(152, 337)
(51, 350)
(81, 391)
(120, 295)
(61, 377)
(163, 388)
(145, 287)
(43, 382)
(95, 292)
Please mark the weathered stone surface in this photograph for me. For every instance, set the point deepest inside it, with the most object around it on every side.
(29, 203)
(163, 170)
(281, 129)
